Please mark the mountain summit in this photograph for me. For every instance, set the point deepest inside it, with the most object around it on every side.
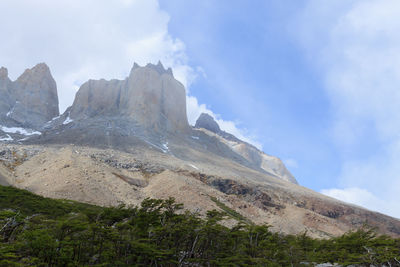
(150, 96)
(207, 122)
(31, 100)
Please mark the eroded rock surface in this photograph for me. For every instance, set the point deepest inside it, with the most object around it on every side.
(5, 92)
(150, 96)
(31, 100)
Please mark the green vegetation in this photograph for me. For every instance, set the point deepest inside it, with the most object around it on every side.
(230, 212)
(36, 231)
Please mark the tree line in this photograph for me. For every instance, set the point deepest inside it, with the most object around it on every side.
(37, 231)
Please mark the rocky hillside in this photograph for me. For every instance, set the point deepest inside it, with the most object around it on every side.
(270, 164)
(125, 140)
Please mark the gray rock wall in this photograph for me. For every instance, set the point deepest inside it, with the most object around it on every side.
(32, 99)
(5, 96)
(150, 96)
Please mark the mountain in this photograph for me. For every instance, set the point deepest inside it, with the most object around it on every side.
(150, 96)
(270, 164)
(122, 141)
(31, 100)
(26, 103)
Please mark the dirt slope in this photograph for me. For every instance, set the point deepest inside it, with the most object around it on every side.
(110, 177)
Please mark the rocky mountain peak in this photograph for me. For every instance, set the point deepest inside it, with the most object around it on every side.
(207, 122)
(135, 66)
(32, 99)
(39, 71)
(160, 68)
(5, 97)
(3, 73)
(148, 97)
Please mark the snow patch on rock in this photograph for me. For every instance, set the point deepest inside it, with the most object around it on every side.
(68, 120)
(19, 130)
(156, 146)
(193, 166)
(53, 119)
(165, 146)
(7, 138)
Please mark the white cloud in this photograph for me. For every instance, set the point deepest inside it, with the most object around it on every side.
(356, 46)
(291, 163)
(357, 196)
(94, 39)
(364, 198)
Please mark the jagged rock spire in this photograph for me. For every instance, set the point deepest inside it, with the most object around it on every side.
(32, 98)
(159, 68)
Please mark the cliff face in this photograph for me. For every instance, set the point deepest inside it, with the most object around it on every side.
(31, 100)
(5, 92)
(150, 96)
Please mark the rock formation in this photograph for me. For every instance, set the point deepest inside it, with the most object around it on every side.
(5, 94)
(207, 122)
(150, 96)
(270, 164)
(31, 100)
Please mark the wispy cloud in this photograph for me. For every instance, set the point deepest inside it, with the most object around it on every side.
(356, 45)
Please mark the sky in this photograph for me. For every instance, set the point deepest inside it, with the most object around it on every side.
(314, 82)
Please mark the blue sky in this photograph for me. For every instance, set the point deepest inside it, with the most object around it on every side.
(297, 76)
(314, 82)
(258, 75)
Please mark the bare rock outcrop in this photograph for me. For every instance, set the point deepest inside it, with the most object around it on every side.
(31, 100)
(5, 96)
(207, 122)
(150, 96)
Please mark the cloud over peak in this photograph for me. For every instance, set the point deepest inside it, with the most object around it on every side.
(358, 53)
